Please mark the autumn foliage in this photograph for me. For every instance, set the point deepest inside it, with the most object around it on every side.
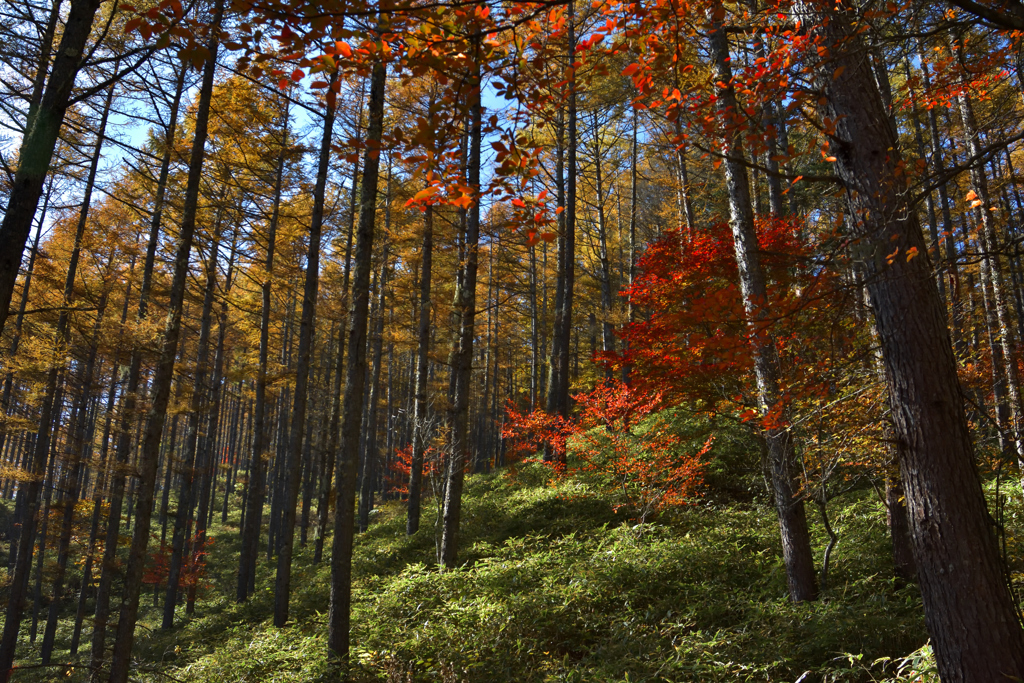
(396, 479)
(193, 569)
(620, 441)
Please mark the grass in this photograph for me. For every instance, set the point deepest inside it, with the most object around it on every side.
(555, 586)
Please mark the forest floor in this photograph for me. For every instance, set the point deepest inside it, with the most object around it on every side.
(557, 586)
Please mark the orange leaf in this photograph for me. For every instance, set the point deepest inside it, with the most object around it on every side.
(426, 192)
(343, 48)
(630, 70)
(463, 202)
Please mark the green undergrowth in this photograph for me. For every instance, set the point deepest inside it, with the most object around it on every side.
(555, 586)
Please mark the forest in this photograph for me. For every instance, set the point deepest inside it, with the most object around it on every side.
(535, 340)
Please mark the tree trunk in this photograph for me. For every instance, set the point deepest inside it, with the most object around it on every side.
(969, 610)
(307, 321)
(128, 402)
(420, 428)
(339, 615)
(796, 541)
(323, 502)
(197, 403)
(34, 157)
(607, 329)
(558, 384)
(258, 457)
(464, 306)
(990, 250)
(164, 372)
(74, 458)
(370, 455)
(19, 579)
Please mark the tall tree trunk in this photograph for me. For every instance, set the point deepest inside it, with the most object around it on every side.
(607, 329)
(259, 456)
(462, 351)
(193, 435)
(933, 222)
(97, 496)
(990, 251)
(420, 429)
(969, 610)
(128, 402)
(208, 457)
(35, 154)
(19, 579)
(323, 502)
(633, 199)
(5, 401)
(307, 321)
(164, 373)
(558, 384)
(796, 541)
(370, 456)
(74, 458)
(339, 615)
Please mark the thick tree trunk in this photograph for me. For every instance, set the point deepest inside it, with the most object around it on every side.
(969, 610)
(796, 541)
(339, 616)
(35, 154)
(26, 287)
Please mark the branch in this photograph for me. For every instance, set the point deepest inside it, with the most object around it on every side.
(1012, 20)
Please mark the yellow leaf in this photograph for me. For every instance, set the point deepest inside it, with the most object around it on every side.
(911, 253)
